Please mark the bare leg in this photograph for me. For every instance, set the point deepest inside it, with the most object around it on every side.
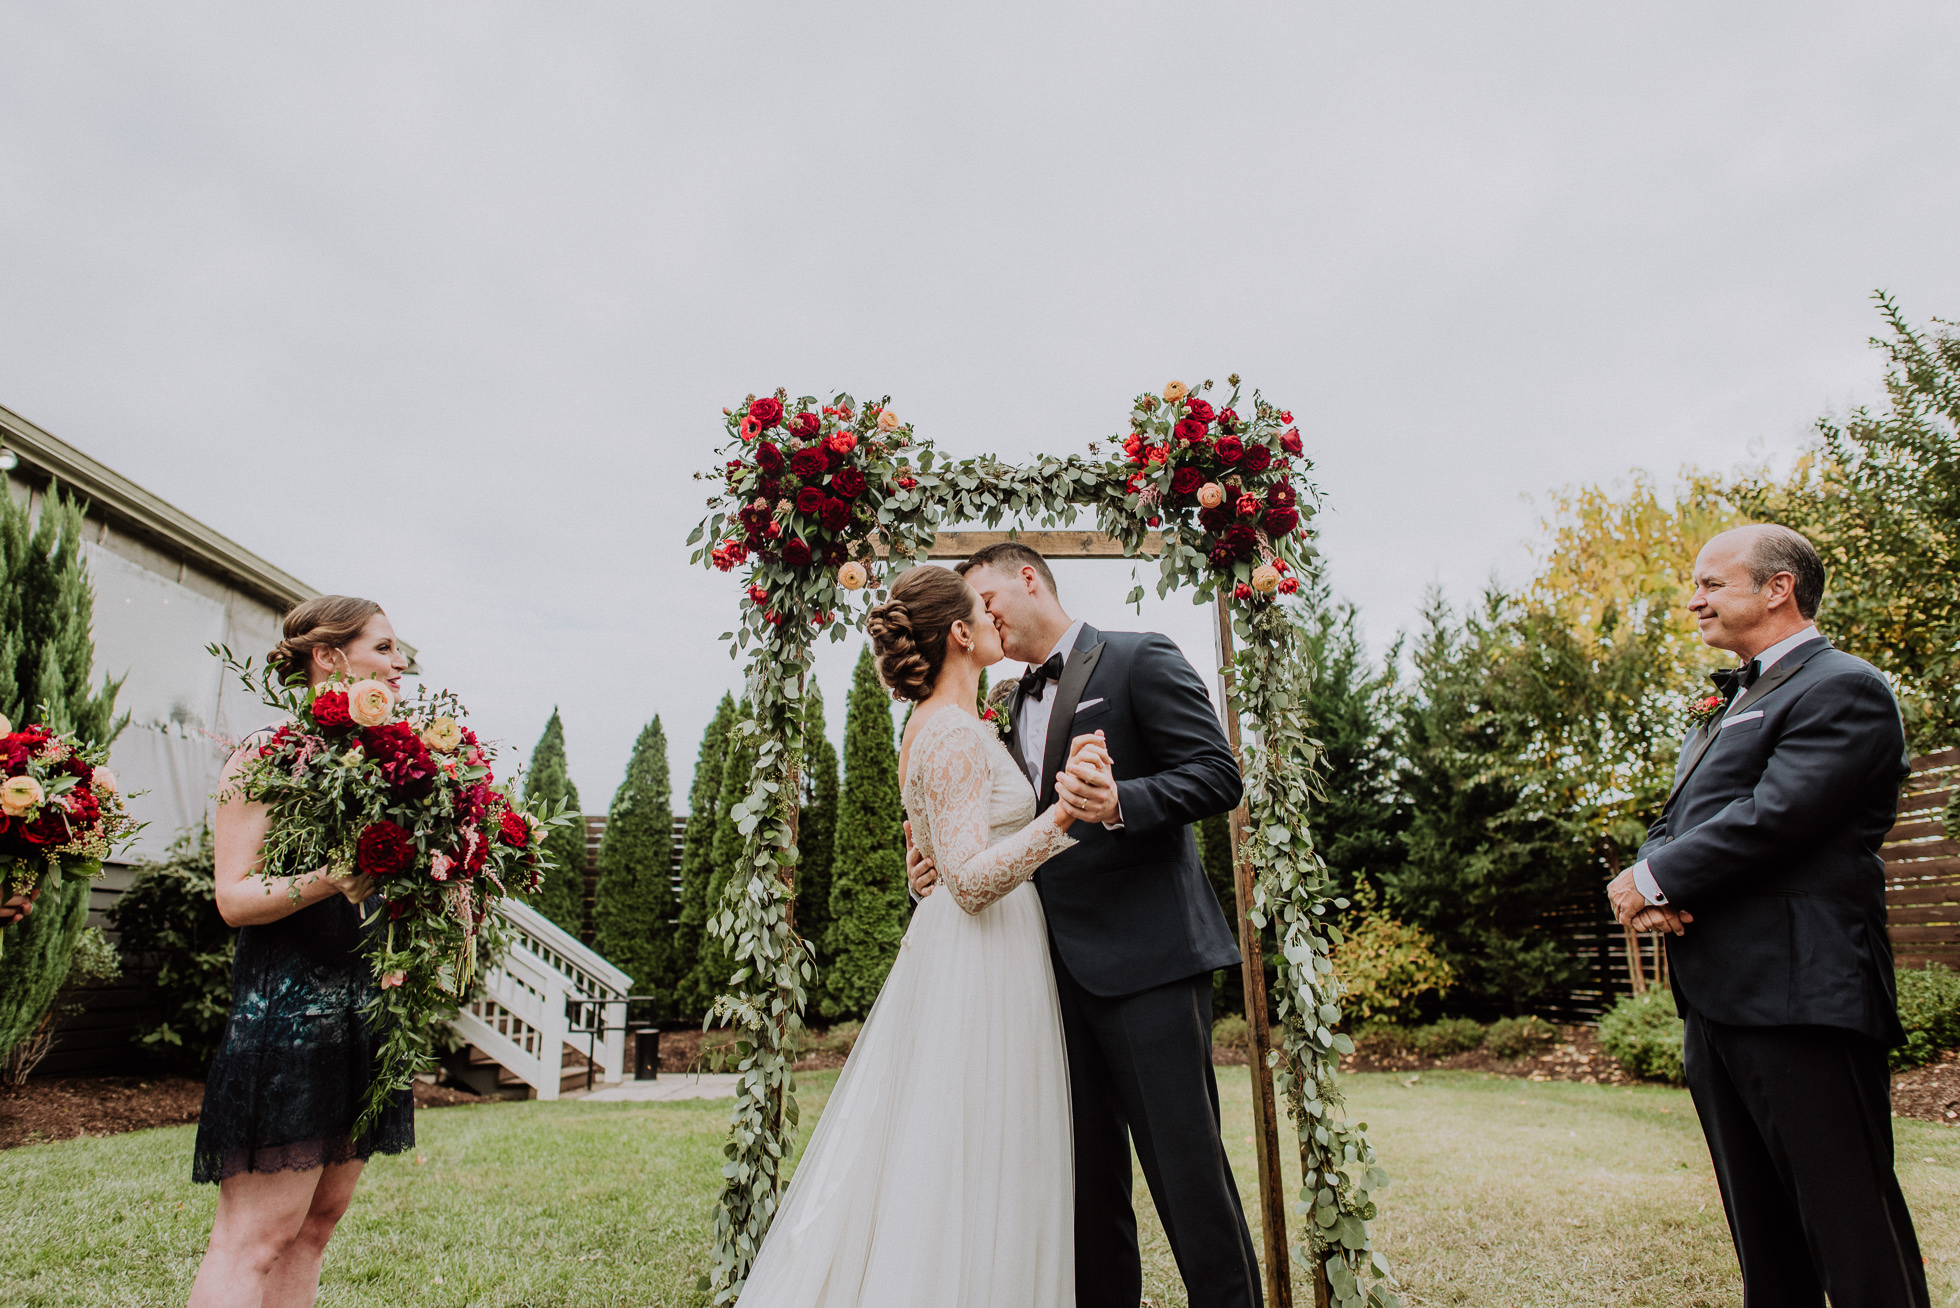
(259, 1213)
(294, 1281)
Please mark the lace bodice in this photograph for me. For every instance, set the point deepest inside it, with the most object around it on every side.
(972, 810)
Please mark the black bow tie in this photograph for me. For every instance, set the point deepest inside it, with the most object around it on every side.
(1733, 681)
(1034, 682)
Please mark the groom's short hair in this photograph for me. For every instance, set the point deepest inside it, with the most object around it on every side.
(1779, 549)
(1010, 556)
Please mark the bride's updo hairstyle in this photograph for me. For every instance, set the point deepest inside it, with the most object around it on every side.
(326, 620)
(909, 630)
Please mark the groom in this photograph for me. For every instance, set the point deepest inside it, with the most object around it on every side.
(1134, 927)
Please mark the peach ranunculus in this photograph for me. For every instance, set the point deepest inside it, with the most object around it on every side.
(104, 779)
(1175, 391)
(887, 420)
(19, 795)
(442, 735)
(852, 576)
(1265, 579)
(6, 727)
(1211, 495)
(369, 703)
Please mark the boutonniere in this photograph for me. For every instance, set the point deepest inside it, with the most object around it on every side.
(1706, 710)
(999, 720)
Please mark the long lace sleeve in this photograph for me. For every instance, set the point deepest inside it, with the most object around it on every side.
(955, 781)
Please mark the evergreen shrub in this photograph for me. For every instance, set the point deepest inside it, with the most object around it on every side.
(690, 999)
(633, 904)
(869, 905)
(1929, 1010)
(1643, 1032)
(1519, 1037)
(169, 927)
(562, 896)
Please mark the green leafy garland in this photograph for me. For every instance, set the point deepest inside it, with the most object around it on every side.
(842, 493)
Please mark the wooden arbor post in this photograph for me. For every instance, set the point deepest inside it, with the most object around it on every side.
(1272, 1187)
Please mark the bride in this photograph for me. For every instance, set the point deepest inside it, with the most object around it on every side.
(940, 1172)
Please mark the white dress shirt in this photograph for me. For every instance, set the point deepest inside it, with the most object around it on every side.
(1031, 725)
(1643, 876)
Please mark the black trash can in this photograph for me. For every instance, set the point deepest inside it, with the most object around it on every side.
(646, 1053)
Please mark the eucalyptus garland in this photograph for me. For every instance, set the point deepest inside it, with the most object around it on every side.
(821, 504)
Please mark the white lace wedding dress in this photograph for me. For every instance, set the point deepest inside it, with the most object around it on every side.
(940, 1173)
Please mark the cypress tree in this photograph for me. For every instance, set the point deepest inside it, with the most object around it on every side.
(715, 965)
(697, 865)
(46, 655)
(816, 835)
(562, 896)
(634, 902)
(868, 903)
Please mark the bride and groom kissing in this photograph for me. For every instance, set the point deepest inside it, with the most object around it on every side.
(1053, 1004)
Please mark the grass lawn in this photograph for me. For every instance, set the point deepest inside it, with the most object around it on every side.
(1507, 1193)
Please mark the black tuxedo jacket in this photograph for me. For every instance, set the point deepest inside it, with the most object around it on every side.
(1131, 909)
(1771, 840)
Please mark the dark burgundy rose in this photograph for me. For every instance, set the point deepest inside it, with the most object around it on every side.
(1228, 420)
(1190, 429)
(809, 464)
(1186, 480)
(75, 767)
(1230, 449)
(1257, 459)
(768, 457)
(770, 488)
(805, 425)
(1198, 409)
(1216, 518)
(767, 411)
(1281, 522)
(1289, 440)
(809, 500)
(513, 830)
(1242, 539)
(330, 711)
(50, 827)
(404, 760)
(796, 553)
(1281, 496)
(836, 514)
(83, 810)
(384, 850)
(848, 484)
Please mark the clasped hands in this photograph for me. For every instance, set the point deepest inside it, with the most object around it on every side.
(1085, 790)
(1633, 910)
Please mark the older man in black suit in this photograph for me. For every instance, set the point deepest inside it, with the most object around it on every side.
(1134, 928)
(1764, 868)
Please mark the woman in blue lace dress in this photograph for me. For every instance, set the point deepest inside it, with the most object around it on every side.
(288, 1082)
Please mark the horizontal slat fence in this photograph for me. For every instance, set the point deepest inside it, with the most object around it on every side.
(1922, 867)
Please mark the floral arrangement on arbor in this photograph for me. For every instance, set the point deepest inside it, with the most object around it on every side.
(818, 502)
(61, 810)
(399, 791)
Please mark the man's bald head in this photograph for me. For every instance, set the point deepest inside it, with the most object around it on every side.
(1767, 549)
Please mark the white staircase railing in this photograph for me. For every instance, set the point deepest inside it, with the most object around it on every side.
(546, 990)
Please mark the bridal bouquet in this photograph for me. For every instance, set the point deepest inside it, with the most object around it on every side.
(61, 812)
(401, 792)
(1223, 476)
(805, 491)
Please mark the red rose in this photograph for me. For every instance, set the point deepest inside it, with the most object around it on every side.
(1198, 409)
(758, 594)
(1248, 506)
(847, 484)
(330, 710)
(1158, 454)
(836, 514)
(1289, 440)
(1286, 415)
(767, 411)
(1133, 446)
(1257, 459)
(1242, 540)
(76, 768)
(1186, 480)
(796, 553)
(805, 425)
(402, 757)
(809, 464)
(840, 442)
(1189, 429)
(1230, 449)
(1216, 518)
(49, 827)
(513, 830)
(1280, 495)
(1228, 420)
(83, 810)
(769, 457)
(809, 500)
(384, 850)
(1279, 522)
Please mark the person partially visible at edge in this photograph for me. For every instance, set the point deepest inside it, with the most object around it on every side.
(1763, 867)
(1135, 928)
(292, 1072)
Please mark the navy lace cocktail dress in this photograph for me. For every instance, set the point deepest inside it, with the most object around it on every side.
(289, 1080)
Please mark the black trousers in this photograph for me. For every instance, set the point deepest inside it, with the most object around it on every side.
(1140, 1068)
(1799, 1122)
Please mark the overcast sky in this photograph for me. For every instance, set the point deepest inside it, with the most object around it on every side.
(439, 304)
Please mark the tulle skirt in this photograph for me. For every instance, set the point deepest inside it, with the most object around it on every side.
(940, 1174)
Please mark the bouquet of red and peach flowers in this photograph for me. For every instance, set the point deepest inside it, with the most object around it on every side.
(61, 812)
(403, 793)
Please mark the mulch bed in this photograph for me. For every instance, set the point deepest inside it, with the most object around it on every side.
(1930, 1093)
(1575, 1057)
